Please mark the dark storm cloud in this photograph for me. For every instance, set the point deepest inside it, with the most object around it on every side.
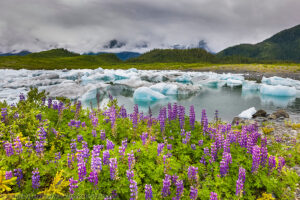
(89, 25)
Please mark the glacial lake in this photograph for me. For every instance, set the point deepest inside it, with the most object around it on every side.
(230, 94)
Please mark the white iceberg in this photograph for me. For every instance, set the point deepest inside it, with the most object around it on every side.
(233, 82)
(165, 89)
(147, 94)
(250, 85)
(278, 90)
(185, 78)
(247, 113)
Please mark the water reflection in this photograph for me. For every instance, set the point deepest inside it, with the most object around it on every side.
(229, 101)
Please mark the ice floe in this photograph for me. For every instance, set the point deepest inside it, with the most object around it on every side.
(247, 113)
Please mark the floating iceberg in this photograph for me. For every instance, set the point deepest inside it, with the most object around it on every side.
(281, 81)
(278, 90)
(233, 82)
(165, 89)
(250, 85)
(147, 94)
(184, 79)
(247, 113)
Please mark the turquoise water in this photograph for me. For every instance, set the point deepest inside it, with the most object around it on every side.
(228, 101)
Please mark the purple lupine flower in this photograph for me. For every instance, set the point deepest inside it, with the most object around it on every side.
(272, 162)
(124, 143)
(204, 121)
(200, 142)
(83, 124)
(206, 151)
(226, 145)
(72, 185)
(60, 106)
(250, 144)
(81, 167)
(49, 103)
(239, 187)
(242, 174)
(57, 156)
(22, 97)
(131, 160)
(255, 158)
(264, 142)
(169, 146)
(18, 146)
(96, 163)
(281, 163)
(94, 133)
(135, 116)
(264, 156)
(79, 138)
(19, 174)
(8, 149)
(193, 146)
(42, 133)
(175, 111)
(106, 157)
(192, 117)
(214, 152)
(162, 118)
(187, 137)
(102, 134)
(78, 107)
(70, 160)
(181, 115)
(129, 174)
(55, 106)
(112, 116)
(8, 175)
(122, 151)
(213, 196)
(35, 179)
(73, 145)
(144, 137)
(93, 178)
(113, 165)
(192, 173)
(174, 178)
(39, 147)
(78, 124)
(95, 121)
(133, 190)
(148, 192)
(3, 114)
(166, 186)
(39, 117)
(123, 112)
(203, 160)
(179, 189)
(224, 164)
(109, 144)
(160, 147)
(193, 193)
(217, 115)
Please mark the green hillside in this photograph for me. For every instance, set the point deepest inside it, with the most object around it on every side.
(284, 46)
(57, 59)
(175, 55)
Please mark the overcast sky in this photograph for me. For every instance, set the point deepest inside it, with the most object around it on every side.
(88, 25)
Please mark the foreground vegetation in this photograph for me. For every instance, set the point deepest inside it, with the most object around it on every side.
(60, 150)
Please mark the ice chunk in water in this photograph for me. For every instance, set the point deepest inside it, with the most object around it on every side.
(250, 85)
(247, 113)
(233, 82)
(278, 90)
(166, 89)
(147, 94)
(184, 79)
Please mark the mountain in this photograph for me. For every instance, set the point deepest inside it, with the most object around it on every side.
(21, 53)
(202, 44)
(284, 46)
(175, 55)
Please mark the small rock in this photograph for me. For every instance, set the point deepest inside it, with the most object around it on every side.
(260, 113)
(260, 119)
(272, 116)
(237, 120)
(281, 113)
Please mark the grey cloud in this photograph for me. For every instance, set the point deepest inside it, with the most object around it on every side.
(89, 25)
